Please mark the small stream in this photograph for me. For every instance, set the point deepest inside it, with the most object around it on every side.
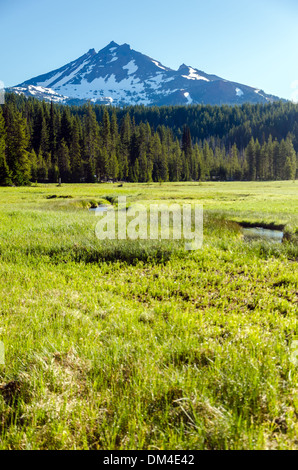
(261, 233)
(99, 209)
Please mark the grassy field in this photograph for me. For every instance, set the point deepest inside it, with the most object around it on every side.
(143, 345)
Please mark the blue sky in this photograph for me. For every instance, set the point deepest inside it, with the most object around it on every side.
(251, 42)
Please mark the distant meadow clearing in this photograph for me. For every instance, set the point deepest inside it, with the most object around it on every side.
(140, 344)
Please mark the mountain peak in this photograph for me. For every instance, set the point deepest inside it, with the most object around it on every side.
(121, 76)
(112, 44)
(183, 67)
(125, 47)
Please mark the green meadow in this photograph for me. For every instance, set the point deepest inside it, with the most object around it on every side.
(142, 344)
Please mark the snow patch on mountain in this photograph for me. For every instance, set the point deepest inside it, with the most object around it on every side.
(169, 91)
(156, 82)
(127, 90)
(69, 77)
(40, 92)
(188, 97)
(51, 80)
(59, 82)
(131, 67)
(158, 65)
(193, 75)
(121, 76)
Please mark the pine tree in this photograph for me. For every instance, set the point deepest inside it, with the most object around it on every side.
(235, 171)
(276, 159)
(185, 167)
(106, 132)
(186, 141)
(125, 137)
(155, 152)
(37, 127)
(289, 170)
(44, 138)
(53, 132)
(16, 147)
(91, 146)
(269, 169)
(164, 170)
(66, 127)
(226, 142)
(64, 162)
(258, 163)
(113, 167)
(136, 171)
(282, 158)
(42, 169)
(143, 168)
(207, 161)
(5, 179)
(251, 160)
(75, 153)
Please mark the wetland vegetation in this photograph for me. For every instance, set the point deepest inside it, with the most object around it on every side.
(143, 345)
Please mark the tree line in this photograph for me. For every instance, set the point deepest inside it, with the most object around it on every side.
(44, 142)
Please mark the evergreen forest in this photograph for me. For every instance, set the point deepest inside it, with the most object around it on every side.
(44, 142)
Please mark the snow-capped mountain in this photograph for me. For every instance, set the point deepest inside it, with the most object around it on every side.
(40, 93)
(120, 76)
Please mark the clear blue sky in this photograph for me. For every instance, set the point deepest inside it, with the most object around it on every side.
(251, 42)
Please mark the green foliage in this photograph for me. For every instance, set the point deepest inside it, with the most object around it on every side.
(44, 142)
(17, 142)
(140, 345)
(4, 170)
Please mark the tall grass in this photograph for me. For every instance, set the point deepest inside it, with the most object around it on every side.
(142, 345)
